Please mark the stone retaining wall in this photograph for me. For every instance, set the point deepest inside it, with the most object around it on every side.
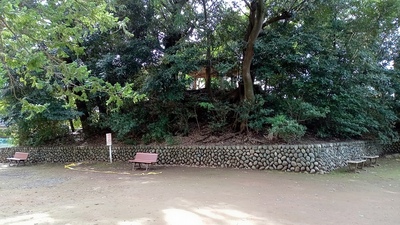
(311, 158)
(392, 148)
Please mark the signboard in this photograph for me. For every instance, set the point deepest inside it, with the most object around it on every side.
(108, 139)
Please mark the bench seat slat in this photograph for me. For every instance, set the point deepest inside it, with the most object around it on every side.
(370, 157)
(356, 161)
(142, 161)
(16, 159)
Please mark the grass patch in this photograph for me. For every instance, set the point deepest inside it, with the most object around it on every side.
(385, 169)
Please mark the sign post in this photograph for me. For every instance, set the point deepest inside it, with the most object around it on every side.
(109, 143)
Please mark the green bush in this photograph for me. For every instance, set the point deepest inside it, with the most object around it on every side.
(255, 115)
(258, 115)
(120, 124)
(218, 115)
(287, 129)
(157, 131)
(38, 132)
(4, 133)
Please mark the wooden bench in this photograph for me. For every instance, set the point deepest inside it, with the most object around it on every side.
(144, 158)
(371, 159)
(18, 157)
(355, 164)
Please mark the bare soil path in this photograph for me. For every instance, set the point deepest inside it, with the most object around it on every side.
(100, 193)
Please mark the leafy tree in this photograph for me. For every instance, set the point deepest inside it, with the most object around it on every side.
(118, 58)
(319, 70)
(257, 21)
(27, 125)
(39, 37)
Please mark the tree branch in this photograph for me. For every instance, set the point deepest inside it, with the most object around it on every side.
(283, 16)
(286, 14)
(15, 35)
(247, 3)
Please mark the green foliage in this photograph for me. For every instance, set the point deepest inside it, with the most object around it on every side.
(218, 114)
(157, 131)
(40, 37)
(318, 70)
(121, 124)
(207, 105)
(37, 118)
(355, 116)
(4, 133)
(165, 86)
(40, 131)
(303, 111)
(287, 129)
(255, 114)
(332, 68)
(36, 129)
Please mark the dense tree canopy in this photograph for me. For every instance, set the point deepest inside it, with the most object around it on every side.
(153, 69)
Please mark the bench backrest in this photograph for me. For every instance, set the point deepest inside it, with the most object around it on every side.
(151, 157)
(21, 155)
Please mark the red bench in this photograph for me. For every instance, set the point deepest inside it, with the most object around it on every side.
(18, 157)
(144, 158)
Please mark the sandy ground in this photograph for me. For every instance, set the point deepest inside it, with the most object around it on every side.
(100, 193)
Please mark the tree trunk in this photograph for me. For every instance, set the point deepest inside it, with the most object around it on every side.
(256, 19)
(256, 24)
(71, 124)
(82, 107)
(208, 54)
(208, 73)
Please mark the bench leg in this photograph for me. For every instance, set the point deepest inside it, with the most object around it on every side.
(133, 166)
(15, 162)
(352, 167)
(140, 166)
(370, 162)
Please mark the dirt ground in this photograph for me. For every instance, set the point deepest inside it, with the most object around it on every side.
(100, 193)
